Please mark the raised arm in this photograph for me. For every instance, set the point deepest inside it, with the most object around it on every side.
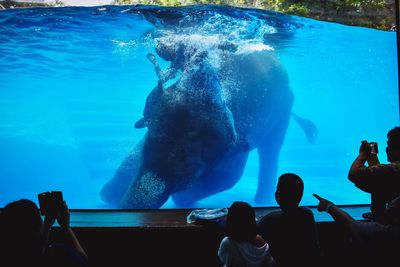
(337, 213)
(63, 219)
(358, 164)
(49, 220)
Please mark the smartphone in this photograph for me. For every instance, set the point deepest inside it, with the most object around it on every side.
(373, 157)
(44, 202)
(374, 147)
(50, 202)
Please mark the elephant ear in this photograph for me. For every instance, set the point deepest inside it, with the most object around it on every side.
(142, 123)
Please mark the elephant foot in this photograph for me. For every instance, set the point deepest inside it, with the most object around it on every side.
(111, 193)
(265, 199)
(108, 198)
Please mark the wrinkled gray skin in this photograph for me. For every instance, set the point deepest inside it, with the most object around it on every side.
(187, 152)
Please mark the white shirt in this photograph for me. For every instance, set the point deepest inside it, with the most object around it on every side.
(243, 254)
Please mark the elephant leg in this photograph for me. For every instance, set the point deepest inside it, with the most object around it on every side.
(149, 191)
(113, 190)
(268, 153)
(267, 173)
(223, 177)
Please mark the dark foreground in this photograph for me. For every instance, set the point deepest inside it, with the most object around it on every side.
(163, 238)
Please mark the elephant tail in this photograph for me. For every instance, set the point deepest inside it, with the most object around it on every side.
(308, 127)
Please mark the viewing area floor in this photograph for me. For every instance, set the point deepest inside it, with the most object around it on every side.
(163, 238)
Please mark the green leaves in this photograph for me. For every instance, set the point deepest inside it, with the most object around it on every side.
(367, 13)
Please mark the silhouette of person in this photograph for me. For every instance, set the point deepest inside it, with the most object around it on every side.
(242, 246)
(21, 239)
(25, 237)
(371, 243)
(382, 181)
(291, 232)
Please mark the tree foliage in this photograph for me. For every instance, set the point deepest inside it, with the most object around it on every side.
(378, 14)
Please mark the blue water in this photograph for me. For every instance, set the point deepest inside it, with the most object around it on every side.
(74, 81)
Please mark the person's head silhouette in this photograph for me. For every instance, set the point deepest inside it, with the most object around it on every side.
(22, 218)
(240, 223)
(21, 229)
(393, 145)
(289, 191)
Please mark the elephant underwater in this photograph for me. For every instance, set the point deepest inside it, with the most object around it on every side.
(201, 128)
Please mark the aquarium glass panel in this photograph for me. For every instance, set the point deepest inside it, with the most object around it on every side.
(193, 105)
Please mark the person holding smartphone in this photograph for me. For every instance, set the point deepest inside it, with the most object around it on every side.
(70, 252)
(382, 181)
(25, 236)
